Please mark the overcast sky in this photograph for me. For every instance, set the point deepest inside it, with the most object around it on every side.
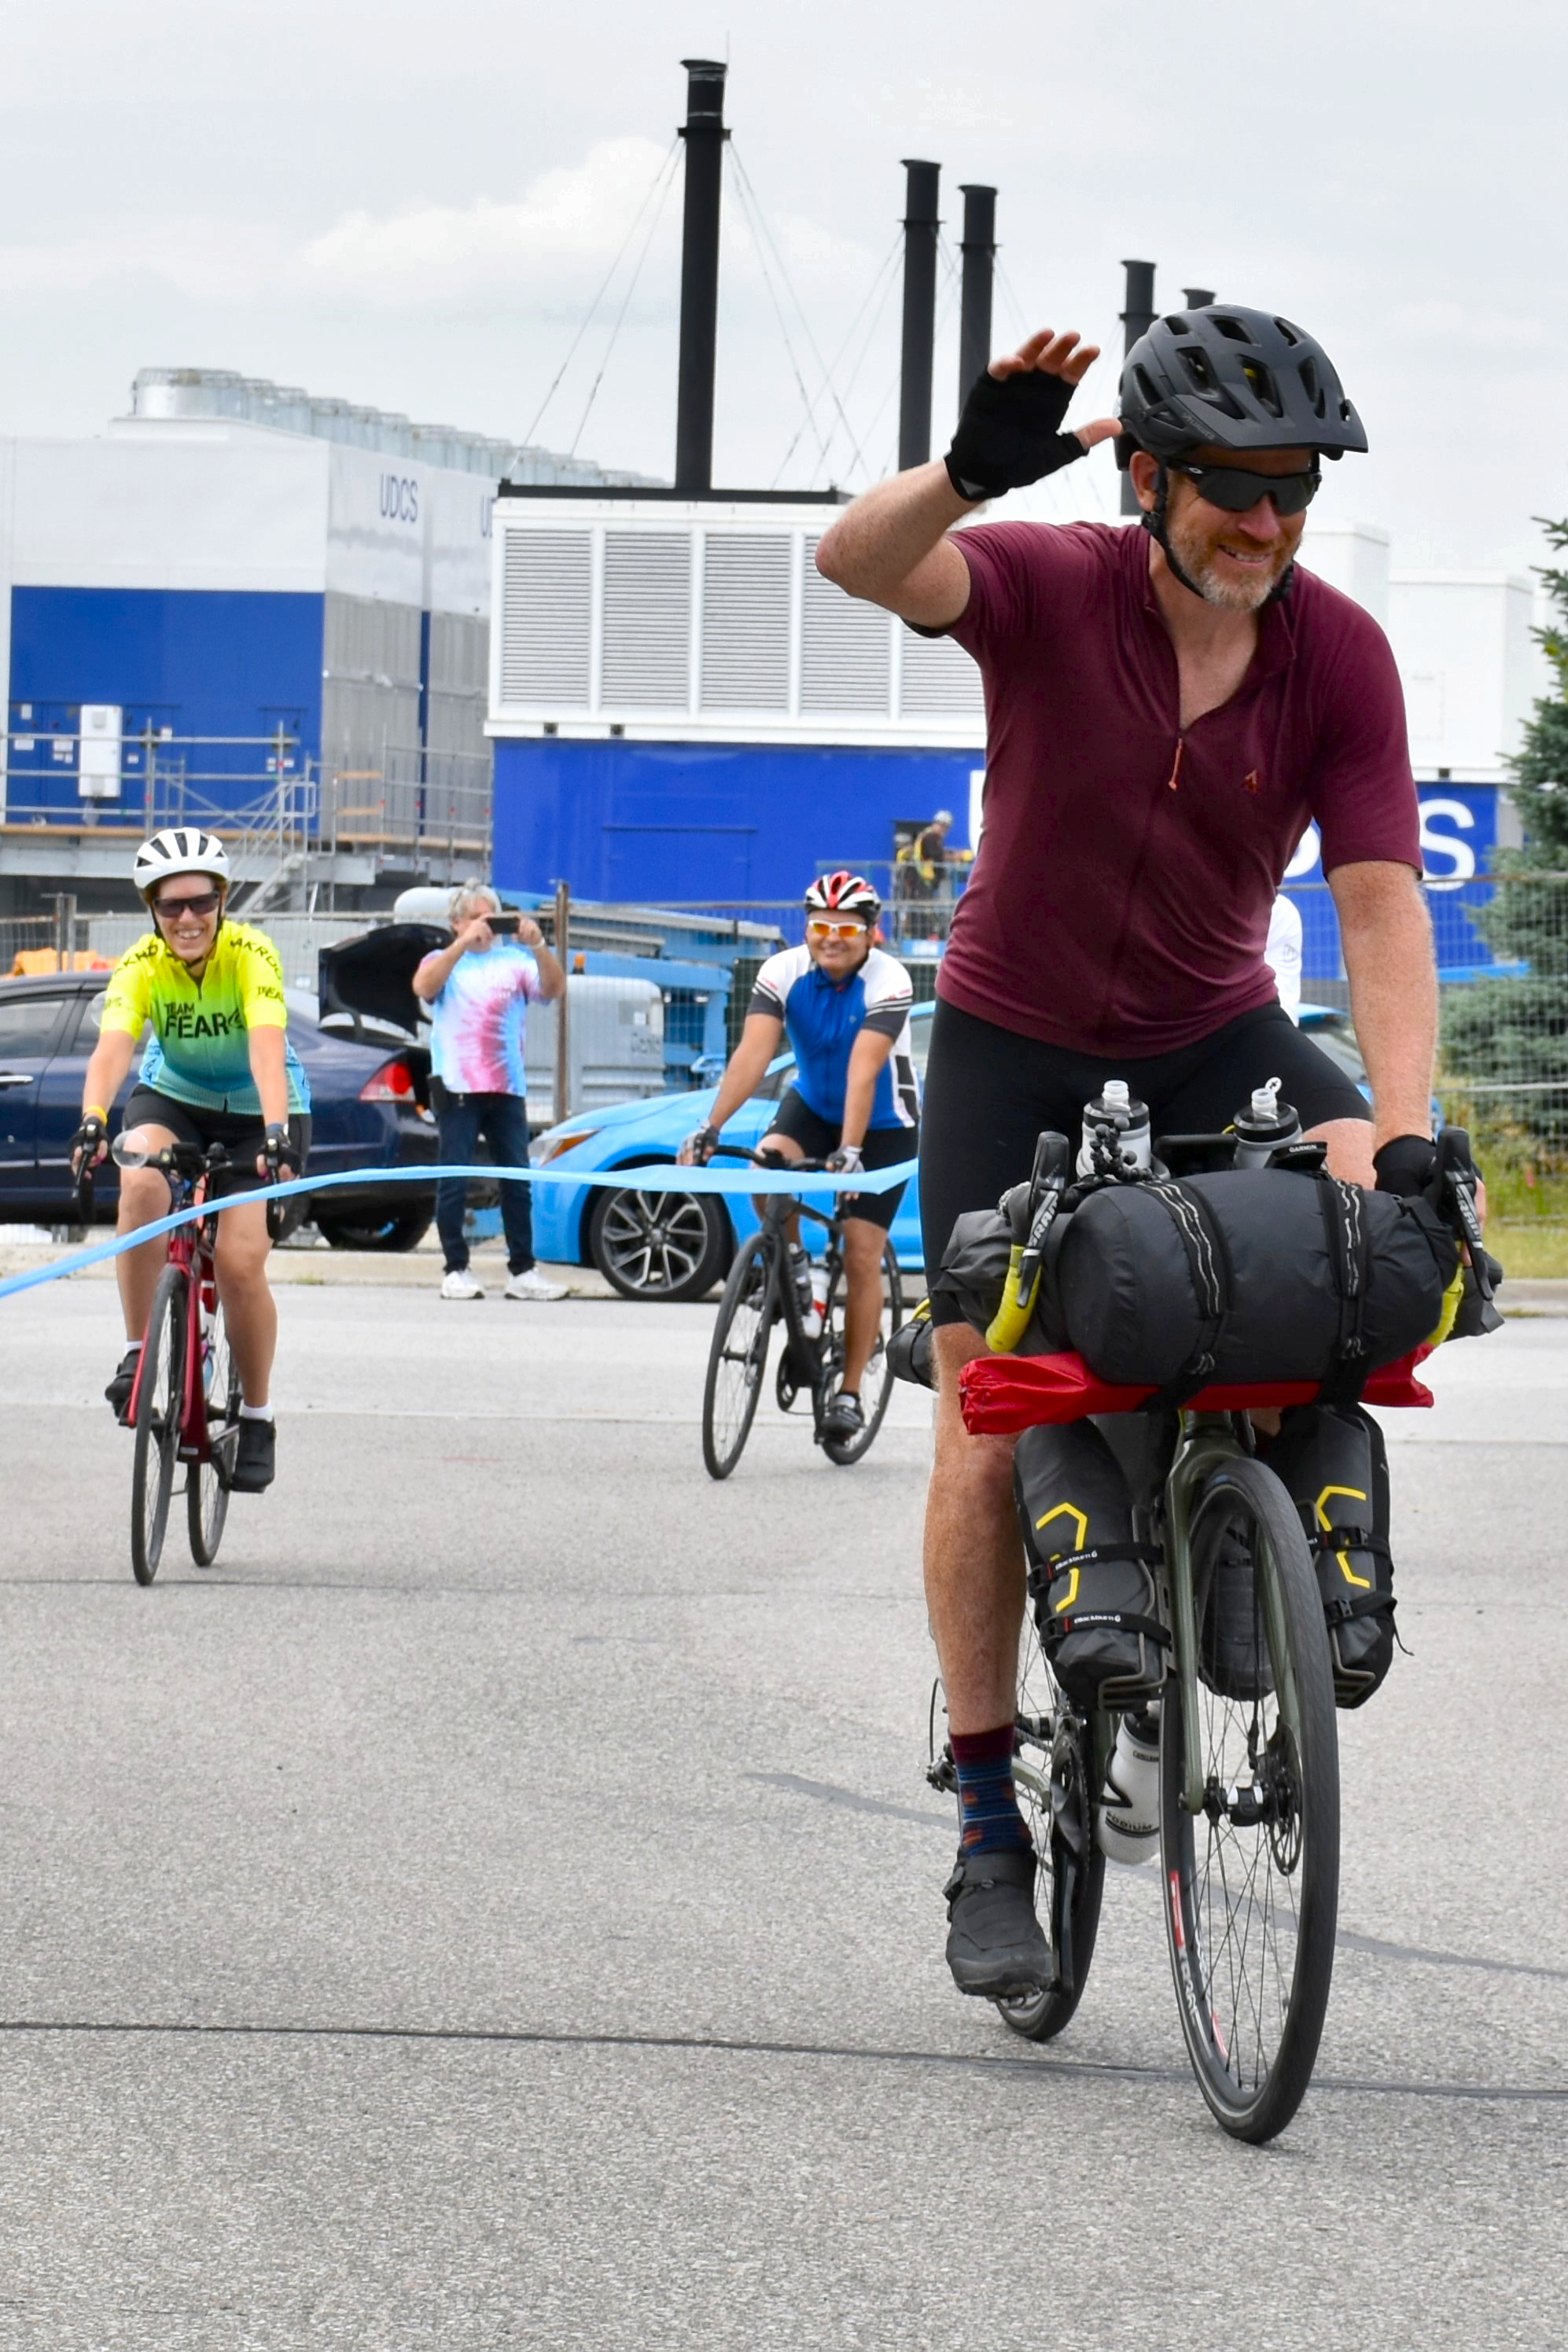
(412, 207)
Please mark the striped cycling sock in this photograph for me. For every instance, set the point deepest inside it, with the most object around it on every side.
(987, 1804)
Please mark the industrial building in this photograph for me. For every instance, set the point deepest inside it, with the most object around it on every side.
(683, 708)
(262, 611)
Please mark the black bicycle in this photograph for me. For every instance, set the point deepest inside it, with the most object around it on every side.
(762, 1294)
(1242, 1717)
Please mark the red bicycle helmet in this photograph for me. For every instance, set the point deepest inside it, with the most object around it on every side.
(843, 894)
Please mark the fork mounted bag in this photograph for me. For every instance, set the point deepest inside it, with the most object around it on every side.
(1334, 1466)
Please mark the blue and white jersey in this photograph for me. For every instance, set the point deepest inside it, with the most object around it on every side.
(825, 1016)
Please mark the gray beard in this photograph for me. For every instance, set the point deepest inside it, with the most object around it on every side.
(1229, 596)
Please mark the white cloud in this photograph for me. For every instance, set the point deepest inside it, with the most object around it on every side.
(564, 223)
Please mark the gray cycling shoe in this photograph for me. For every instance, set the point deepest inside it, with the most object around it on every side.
(995, 1945)
(844, 1418)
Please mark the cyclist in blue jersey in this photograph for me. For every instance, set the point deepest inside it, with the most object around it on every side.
(855, 1102)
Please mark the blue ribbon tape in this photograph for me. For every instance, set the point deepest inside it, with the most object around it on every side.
(662, 1177)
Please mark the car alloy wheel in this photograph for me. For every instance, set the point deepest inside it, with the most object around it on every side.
(666, 1246)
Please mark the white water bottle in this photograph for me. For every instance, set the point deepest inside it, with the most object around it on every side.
(816, 1311)
(1127, 1818)
(1264, 1127)
(1114, 1106)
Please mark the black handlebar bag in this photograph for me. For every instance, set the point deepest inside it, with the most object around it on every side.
(1246, 1275)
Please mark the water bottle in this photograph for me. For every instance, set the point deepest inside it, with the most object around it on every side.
(1114, 1106)
(1264, 1126)
(816, 1311)
(1127, 1818)
(801, 1271)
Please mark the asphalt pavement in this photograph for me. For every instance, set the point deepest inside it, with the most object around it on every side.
(499, 1903)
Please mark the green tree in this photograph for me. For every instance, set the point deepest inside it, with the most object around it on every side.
(1516, 1030)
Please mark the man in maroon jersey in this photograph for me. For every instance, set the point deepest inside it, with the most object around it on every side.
(1167, 709)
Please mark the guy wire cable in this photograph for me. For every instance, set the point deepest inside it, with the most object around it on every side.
(593, 307)
(620, 315)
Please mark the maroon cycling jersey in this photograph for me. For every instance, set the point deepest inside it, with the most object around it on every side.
(1120, 899)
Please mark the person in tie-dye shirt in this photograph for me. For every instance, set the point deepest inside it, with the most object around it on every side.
(479, 991)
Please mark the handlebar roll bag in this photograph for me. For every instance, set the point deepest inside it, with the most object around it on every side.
(1245, 1274)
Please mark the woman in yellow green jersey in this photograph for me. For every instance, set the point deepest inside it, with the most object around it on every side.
(218, 1068)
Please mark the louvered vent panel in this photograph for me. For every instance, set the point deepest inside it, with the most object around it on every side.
(647, 619)
(544, 619)
(844, 649)
(745, 621)
(940, 679)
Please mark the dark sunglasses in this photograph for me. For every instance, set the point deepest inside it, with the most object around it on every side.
(206, 902)
(1237, 490)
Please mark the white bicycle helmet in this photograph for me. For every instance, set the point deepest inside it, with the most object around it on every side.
(180, 849)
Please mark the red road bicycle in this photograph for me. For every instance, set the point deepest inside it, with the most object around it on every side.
(184, 1406)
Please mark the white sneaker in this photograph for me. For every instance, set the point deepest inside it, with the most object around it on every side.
(460, 1283)
(533, 1285)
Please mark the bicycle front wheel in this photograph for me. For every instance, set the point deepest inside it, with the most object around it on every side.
(1252, 1880)
(737, 1357)
(1053, 1776)
(876, 1381)
(159, 1408)
(206, 1483)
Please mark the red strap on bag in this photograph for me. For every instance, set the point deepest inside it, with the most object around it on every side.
(1002, 1394)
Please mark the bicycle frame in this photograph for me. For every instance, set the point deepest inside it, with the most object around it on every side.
(191, 1248)
(1206, 1440)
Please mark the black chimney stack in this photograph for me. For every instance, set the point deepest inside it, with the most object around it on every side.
(1197, 298)
(920, 226)
(704, 133)
(979, 251)
(1136, 321)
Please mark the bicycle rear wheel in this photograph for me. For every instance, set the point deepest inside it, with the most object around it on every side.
(737, 1357)
(158, 1412)
(1053, 1773)
(876, 1381)
(1252, 1881)
(206, 1483)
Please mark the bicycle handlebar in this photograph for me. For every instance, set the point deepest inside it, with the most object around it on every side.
(774, 1162)
(173, 1158)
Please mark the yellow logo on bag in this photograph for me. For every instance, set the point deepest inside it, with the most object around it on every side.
(1352, 1495)
(1081, 1521)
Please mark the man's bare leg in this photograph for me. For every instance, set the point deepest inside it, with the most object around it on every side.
(974, 1556)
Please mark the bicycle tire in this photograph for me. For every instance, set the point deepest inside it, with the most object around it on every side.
(1053, 1774)
(206, 1483)
(877, 1384)
(1251, 1883)
(734, 1381)
(159, 1411)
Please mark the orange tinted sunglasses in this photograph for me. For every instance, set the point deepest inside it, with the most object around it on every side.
(822, 926)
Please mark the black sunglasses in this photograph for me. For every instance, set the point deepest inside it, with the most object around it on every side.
(205, 903)
(1237, 490)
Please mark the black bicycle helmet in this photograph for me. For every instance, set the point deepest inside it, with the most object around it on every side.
(1232, 379)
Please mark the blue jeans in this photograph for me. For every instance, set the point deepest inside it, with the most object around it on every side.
(503, 1120)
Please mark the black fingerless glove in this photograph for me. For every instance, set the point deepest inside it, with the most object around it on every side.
(1405, 1164)
(1010, 434)
(280, 1154)
(89, 1135)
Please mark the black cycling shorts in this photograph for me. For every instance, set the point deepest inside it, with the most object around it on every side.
(884, 1148)
(989, 1092)
(242, 1134)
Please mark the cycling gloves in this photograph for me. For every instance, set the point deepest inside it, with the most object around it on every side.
(1010, 434)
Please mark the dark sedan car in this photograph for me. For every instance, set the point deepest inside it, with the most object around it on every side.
(369, 1110)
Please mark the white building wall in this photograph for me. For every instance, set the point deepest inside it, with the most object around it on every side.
(1463, 644)
(175, 506)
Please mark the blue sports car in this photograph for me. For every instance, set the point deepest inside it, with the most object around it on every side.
(677, 1245)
